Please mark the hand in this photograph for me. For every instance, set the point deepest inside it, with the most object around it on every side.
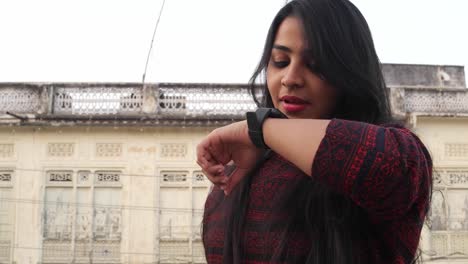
(228, 144)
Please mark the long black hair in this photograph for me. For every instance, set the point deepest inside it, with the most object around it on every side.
(343, 53)
(342, 48)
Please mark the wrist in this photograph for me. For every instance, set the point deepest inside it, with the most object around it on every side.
(266, 131)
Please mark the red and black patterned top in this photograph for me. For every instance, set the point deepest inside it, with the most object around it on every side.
(385, 171)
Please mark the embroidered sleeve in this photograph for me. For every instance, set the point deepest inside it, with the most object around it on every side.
(386, 170)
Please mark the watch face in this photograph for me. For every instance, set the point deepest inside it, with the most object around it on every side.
(254, 123)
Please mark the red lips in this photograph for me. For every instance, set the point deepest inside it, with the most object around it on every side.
(293, 104)
(292, 99)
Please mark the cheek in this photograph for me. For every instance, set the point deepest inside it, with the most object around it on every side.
(273, 96)
(273, 83)
(272, 89)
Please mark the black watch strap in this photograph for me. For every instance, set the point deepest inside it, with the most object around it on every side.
(255, 122)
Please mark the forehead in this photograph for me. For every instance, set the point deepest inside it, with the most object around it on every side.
(291, 34)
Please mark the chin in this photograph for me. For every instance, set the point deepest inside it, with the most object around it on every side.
(302, 116)
(296, 115)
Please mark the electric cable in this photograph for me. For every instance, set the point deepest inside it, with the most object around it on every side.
(110, 206)
(113, 170)
(152, 40)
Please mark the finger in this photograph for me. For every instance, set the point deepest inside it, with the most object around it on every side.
(206, 156)
(215, 171)
(212, 168)
(203, 156)
(218, 179)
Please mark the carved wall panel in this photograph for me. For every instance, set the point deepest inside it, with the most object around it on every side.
(7, 150)
(437, 178)
(439, 244)
(174, 176)
(84, 177)
(108, 150)
(170, 249)
(199, 178)
(6, 177)
(83, 252)
(107, 177)
(459, 243)
(174, 150)
(456, 150)
(106, 252)
(56, 252)
(451, 177)
(60, 149)
(458, 177)
(198, 252)
(62, 178)
(198, 248)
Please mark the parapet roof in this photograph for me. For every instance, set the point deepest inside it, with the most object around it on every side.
(425, 90)
(424, 76)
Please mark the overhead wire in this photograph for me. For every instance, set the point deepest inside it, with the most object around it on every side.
(110, 206)
(152, 40)
(110, 170)
(123, 207)
(120, 253)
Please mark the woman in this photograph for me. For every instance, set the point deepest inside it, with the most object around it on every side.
(334, 182)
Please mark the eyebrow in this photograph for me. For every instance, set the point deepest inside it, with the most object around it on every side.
(286, 49)
(281, 47)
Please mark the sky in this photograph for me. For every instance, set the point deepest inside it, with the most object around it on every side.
(217, 41)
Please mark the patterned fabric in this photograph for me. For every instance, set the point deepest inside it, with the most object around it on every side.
(384, 171)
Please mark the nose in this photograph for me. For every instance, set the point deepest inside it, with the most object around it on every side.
(293, 77)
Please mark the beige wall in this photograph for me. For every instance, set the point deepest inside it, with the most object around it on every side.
(447, 232)
(138, 155)
(150, 177)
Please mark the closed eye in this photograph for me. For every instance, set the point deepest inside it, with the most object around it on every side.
(280, 64)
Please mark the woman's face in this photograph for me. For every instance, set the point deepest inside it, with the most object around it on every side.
(295, 89)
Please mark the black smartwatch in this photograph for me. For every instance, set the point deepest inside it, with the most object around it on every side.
(255, 122)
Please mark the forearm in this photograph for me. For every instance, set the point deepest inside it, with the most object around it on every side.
(297, 140)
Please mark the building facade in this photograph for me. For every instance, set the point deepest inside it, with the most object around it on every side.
(106, 173)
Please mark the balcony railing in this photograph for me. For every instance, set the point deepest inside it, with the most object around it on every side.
(97, 101)
(164, 101)
(180, 103)
(436, 101)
